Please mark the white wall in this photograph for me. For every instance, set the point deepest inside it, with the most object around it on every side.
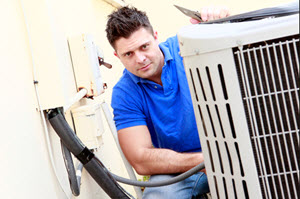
(24, 160)
(26, 170)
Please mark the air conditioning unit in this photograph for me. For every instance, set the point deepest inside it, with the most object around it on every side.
(244, 82)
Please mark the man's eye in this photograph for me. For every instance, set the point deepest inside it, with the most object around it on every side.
(128, 54)
(145, 46)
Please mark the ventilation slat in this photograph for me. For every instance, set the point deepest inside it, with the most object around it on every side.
(230, 118)
(201, 84)
(210, 83)
(225, 188)
(222, 79)
(202, 120)
(220, 121)
(220, 157)
(211, 121)
(193, 83)
(210, 156)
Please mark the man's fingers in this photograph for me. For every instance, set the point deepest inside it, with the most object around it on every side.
(212, 12)
(204, 13)
(194, 21)
(217, 14)
(224, 12)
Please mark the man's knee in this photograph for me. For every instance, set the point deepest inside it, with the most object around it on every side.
(162, 192)
(194, 186)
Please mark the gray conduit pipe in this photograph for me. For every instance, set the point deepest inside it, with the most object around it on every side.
(161, 183)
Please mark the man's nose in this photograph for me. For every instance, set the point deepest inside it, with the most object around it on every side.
(140, 57)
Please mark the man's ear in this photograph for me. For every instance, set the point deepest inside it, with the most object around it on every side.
(115, 53)
(155, 35)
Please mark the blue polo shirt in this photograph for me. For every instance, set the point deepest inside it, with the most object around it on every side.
(166, 110)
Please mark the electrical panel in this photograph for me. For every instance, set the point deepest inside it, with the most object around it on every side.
(85, 59)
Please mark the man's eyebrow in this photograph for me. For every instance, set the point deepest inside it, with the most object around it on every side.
(130, 51)
(123, 54)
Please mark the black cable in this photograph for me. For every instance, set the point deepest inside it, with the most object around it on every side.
(74, 185)
(78, 173)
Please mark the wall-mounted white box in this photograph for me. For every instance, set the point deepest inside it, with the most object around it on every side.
(88, 124)
(84, 55)
(51, 65)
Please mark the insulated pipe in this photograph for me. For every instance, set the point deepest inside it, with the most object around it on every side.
(161, 183)
(90, 163)
(79, 95)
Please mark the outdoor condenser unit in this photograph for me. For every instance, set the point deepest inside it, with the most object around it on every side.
(244, 83)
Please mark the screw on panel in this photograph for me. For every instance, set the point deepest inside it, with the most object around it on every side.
(239, 43)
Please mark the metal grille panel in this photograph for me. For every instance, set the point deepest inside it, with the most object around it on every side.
(269, 77)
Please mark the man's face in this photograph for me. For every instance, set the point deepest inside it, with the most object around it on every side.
(141, 55)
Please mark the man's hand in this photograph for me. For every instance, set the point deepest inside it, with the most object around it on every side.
(212, 13)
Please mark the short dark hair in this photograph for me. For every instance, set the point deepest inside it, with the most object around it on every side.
(124, 21)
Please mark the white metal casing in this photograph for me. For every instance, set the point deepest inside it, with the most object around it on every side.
(205, 38)
(208, 54)
(84, 55)
(88, 124)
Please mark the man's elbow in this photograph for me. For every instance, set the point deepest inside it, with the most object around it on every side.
(141, 169)
(140, 162)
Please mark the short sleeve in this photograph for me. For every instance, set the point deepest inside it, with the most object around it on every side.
(127, 107)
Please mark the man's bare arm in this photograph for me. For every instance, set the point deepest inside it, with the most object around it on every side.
(147, 160)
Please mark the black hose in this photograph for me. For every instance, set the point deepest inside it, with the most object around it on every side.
(160, 183)
(78, 173)
(93, 166)
(74, 184)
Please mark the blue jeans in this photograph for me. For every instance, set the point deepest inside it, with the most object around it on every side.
(193, 187)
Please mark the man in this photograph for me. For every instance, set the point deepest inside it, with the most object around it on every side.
(152, 105)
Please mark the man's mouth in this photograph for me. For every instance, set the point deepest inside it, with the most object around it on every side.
(144, 67)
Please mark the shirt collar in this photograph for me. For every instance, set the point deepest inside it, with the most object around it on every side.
(166, 51)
